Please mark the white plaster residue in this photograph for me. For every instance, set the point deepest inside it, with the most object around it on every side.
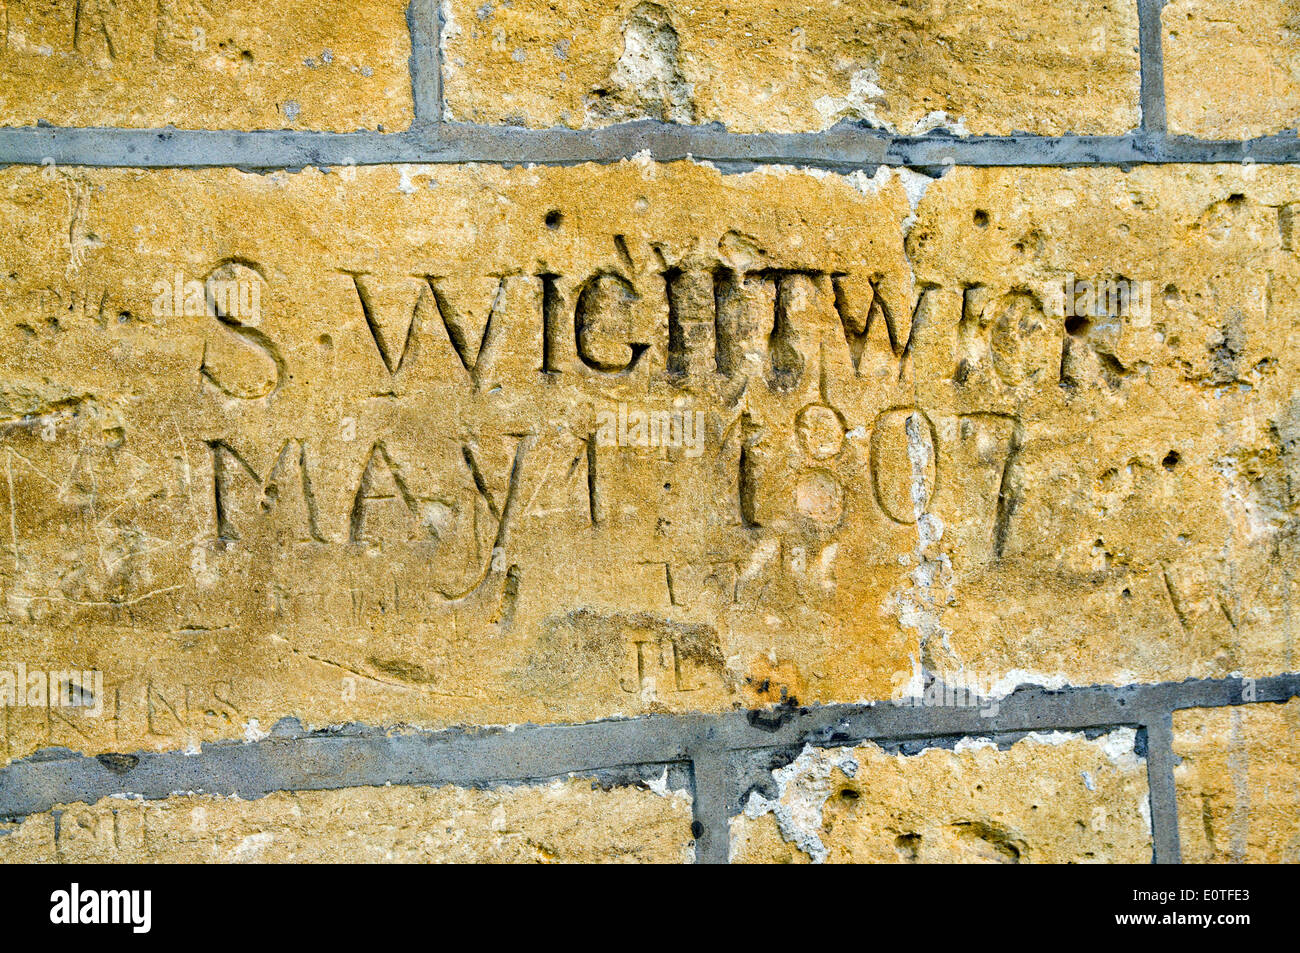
(914, 185)
(763, 554)
(913, 689)
(1245, 505)
(1053, 738)
(961, 687)
(450, 31)
(1118, 746)
(659, 785)
(251, 847)
(253, 731)
(871, 184)
(1144, 809)
(1013, 679)
(858, 103)
(649, 66)
(929, 585)
(647, 80)
(17, 42)
(406, 186)
(863, 98)
(972, 744)
(644, 159)
(939, 119)
(803, 787)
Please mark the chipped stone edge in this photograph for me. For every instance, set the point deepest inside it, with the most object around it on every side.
(805, 784)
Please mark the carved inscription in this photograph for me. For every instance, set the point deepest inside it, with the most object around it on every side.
(481, 444)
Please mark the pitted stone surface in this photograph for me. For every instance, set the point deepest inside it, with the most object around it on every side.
(439, 445)
(223, 64)
(793, 65)
(1239, 783)
(561, 822)
(1053, 798)
(1232, 70)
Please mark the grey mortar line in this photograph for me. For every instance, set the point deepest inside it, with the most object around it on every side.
(357, 756)
(844, 147)
(1151, 53)
(1161, 789)
(424, 22)
(712, 786)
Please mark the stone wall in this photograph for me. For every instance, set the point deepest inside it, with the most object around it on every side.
(603, 431)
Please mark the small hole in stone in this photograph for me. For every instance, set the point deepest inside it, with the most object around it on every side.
(1076, 326)
(554, 219)
(981, 218)
(1171, 460)
(908, 846)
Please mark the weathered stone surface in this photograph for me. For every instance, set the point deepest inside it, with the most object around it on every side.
(1150, 516)
(386, 466)
(1239, 783)
(1052, 798)
(794, 65)
(339, 65)
(562, 822)
(1232, 70)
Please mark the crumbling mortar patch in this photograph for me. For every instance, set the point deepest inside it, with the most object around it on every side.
(803, 786)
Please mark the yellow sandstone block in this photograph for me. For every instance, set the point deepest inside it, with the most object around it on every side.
(1053, 798)
(445, 445)
(337, 65)
(1232, 69)
(562, 822)
(1239, 783)
(795, 65)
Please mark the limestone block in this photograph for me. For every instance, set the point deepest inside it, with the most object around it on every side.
(337, 65)
(445, 445)
(794, 65)
(1052, 798)
(1239, 783)
(571, 821)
